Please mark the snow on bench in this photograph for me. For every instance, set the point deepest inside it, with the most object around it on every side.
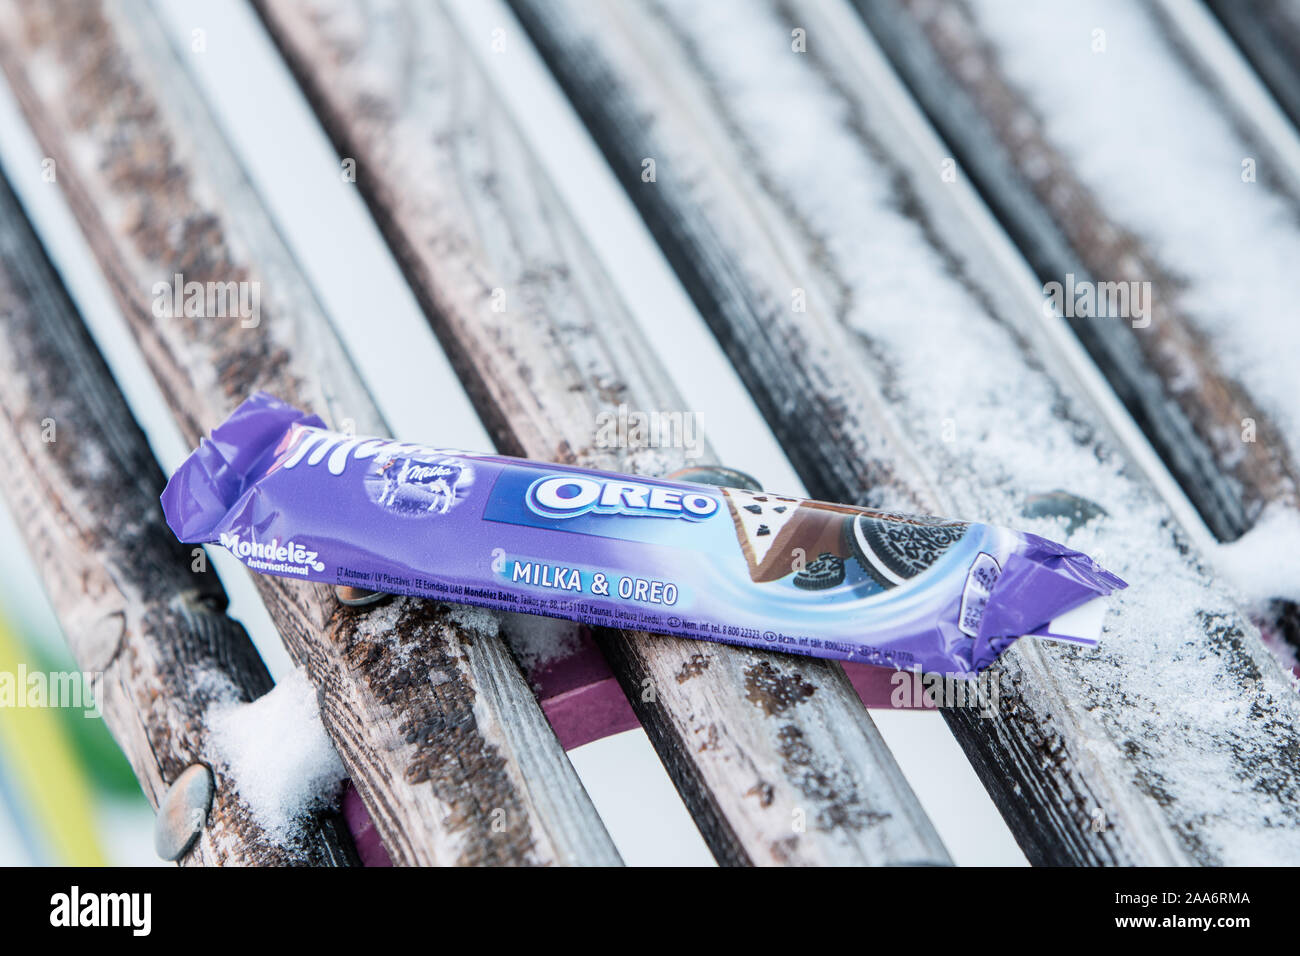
(1100, 137)
(901, 356)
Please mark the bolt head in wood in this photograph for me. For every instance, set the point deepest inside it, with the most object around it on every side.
(357, 597)
(717, 475)
(1061, 504)
(183, 812)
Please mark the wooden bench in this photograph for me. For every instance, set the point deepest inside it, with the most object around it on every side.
(1077, 745)
(1094, 756)
(87, 503)
(181, 205)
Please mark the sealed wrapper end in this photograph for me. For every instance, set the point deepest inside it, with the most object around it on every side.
(289, 497)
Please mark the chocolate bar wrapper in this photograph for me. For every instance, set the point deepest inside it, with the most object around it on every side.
(289, 497)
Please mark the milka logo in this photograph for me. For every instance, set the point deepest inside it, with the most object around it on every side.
(427, 473)
(566, 496)
(289, 553)
(314, 444)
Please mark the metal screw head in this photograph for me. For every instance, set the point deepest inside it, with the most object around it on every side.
(183, 812)
(357, 597)
(1062, 504)
(717, 475)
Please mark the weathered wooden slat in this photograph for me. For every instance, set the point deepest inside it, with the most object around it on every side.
(897, 370)
(83, 488)
(437, 728)
(762, 747)
(1268, 32)
(1169, 376)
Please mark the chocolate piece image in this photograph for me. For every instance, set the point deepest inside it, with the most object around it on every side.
(894, 548)
(775, 531)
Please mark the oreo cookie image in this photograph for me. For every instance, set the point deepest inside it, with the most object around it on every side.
(893, 549)
(826, 571)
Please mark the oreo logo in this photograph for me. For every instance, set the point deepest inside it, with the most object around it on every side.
(567, 496)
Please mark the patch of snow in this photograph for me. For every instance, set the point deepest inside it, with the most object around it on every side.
(283, 763)
(539, 641)
(477, 619)
(1165, 160)
(1264, 563)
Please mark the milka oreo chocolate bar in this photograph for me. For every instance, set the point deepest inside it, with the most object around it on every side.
(287, 496)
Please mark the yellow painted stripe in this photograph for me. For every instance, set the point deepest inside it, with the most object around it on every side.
(49, 776)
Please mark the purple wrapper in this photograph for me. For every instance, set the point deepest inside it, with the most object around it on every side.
(289, 497)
